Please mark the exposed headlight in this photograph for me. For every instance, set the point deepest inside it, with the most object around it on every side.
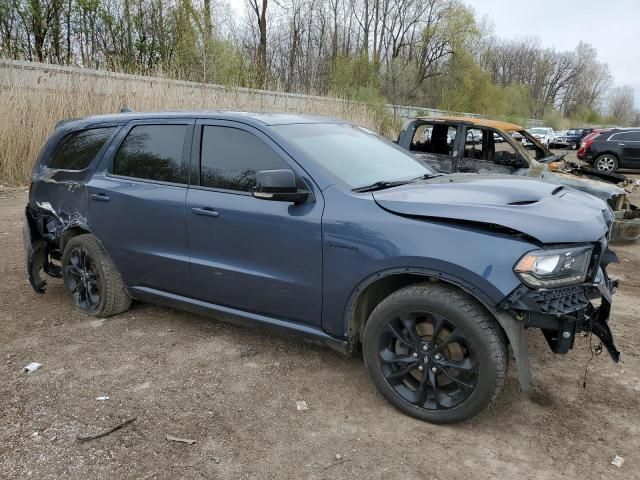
(554, 268)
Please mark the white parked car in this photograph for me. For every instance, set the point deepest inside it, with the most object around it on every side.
(545, 135)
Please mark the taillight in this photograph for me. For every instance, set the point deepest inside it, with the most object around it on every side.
(588, 140)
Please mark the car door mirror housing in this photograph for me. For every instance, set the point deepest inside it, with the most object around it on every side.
(278, 185)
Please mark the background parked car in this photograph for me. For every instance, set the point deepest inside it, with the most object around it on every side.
(545, 135)
(574, 136)
(561, 139)
(509, 157)
(609, 150)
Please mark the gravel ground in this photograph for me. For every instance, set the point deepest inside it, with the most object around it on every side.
(234, 392)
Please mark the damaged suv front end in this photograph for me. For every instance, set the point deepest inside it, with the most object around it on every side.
(566, 291)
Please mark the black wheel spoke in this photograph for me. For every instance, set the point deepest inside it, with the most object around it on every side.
(398, 360)
(75, 271)
(438, 323)
(467, 364)
(433, 380)
(400, 336)
(399, 374)
(422, 391)
(409, 323)
(457, 380)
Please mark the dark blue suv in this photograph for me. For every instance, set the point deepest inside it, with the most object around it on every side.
(319, 228)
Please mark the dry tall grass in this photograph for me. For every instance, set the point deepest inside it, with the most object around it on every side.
(31, 107)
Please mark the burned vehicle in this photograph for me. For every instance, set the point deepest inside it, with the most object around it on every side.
(318, 228)
(501, 152)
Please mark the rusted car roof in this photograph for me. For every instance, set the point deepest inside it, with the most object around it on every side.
(481, 122)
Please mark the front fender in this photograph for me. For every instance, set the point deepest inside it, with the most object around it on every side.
(480, 289)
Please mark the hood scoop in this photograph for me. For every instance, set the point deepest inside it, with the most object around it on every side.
(549, 213)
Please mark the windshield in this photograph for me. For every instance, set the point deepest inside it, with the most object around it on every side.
(353, 155)
(537, 131)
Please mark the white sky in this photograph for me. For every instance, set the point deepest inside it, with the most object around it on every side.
(612, 27)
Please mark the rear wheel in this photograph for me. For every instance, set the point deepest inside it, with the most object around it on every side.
(435, 353)
(91, 279)
(606, 163)
(573, 145)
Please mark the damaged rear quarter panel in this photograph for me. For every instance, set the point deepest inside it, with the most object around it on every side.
(56, 210)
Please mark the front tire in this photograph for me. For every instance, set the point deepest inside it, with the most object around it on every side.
(573, 145)
(606, 163)
(91, 279)
(435, 353)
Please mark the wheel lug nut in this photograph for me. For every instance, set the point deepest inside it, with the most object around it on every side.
(421, 368)
(414, 354)
(434, 369)
(424, 347)
(438, 356)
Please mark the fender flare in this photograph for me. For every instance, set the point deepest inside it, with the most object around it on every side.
(513, 328)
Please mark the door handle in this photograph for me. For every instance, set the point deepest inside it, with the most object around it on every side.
(206, 211)
(101, 197)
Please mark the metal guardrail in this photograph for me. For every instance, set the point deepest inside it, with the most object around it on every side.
(58, 77)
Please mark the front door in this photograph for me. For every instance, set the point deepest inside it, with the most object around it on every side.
(137, 204)
(250, 254)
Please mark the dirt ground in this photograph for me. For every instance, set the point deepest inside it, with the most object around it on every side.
(234, 391)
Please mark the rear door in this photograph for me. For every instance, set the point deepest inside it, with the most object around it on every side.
(137, 204)
(250, 254)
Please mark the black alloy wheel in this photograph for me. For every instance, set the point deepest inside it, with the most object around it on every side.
(82, 278)
(435, 353)
(427, 360)
(91, 279)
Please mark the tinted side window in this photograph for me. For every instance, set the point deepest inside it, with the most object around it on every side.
(152, 152)
(230, 158)
(628, 136)
(78, 149)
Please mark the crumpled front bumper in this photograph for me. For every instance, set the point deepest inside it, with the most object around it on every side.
(561, 313)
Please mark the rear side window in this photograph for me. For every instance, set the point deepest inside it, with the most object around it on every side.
(76, 150)
(230, 158)
(152, 152)
(627, 137)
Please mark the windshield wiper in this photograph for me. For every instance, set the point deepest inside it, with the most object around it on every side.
(552, 158)
(428, 176)
(381, 185)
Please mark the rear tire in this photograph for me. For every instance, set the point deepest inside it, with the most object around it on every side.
(435, 353)
(573, 145)
(91, 279)
(606, 163)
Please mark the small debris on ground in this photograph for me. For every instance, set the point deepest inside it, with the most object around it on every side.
(188, 441)
(216, 459)
(617, 461)
(338, 456)
(32, 367)
(247, 352)
(91, 436)
(301, 405)
(102, 398)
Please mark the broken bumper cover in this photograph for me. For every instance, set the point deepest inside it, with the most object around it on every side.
(39, 252)
(562, 312)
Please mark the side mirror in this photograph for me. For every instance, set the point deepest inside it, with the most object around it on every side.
(278, 185)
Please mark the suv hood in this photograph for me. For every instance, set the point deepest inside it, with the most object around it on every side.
(547, 212)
